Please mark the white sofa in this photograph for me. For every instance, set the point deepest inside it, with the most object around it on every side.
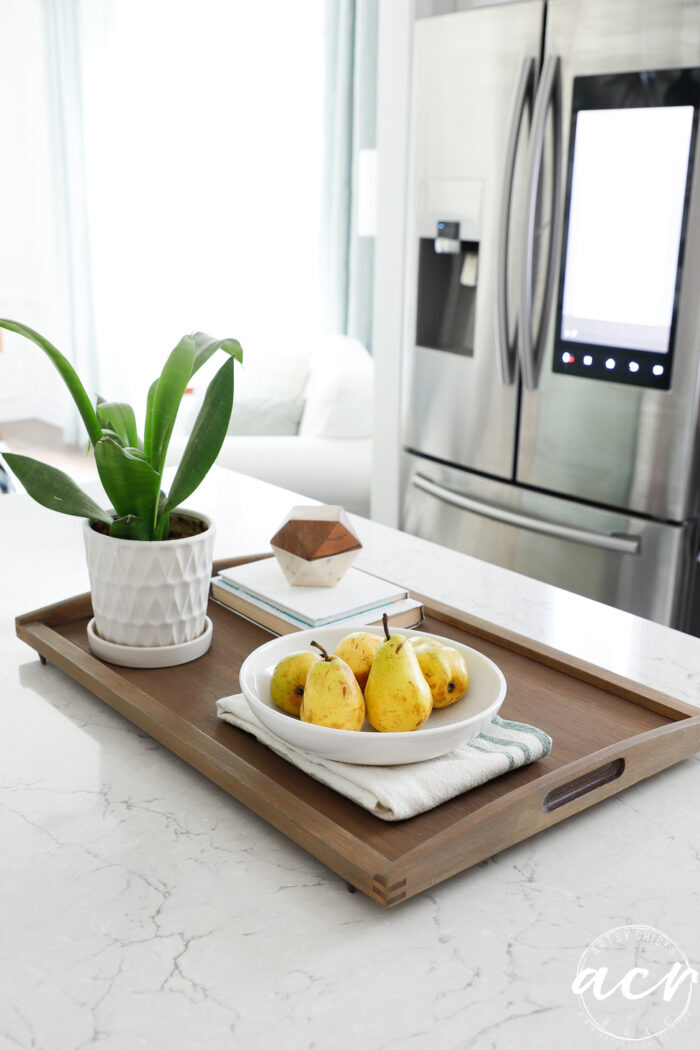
(302, 421)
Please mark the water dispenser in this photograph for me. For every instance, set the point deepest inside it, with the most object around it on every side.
(448, 269)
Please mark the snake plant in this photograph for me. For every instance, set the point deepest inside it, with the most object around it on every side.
(131, 467)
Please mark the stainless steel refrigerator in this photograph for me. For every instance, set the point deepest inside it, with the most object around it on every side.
(551, 414)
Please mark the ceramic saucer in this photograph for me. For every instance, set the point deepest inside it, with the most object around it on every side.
(149, 656)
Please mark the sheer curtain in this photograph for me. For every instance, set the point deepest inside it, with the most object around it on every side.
(62, 47)
(203, 157)
(350, 127)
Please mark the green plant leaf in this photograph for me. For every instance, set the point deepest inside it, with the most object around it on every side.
(54, 489)
(148, 426)
(67, 373)
(206, 438)
(206, 347)
(120, 418)
(131, 484)
(162, 526)
(113, 435)
(130, 528)
(138, 453)
(162, 529)
(168, 395)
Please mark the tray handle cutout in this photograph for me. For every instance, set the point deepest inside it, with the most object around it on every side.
(559, 796)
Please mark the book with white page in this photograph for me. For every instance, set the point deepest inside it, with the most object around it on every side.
(405, 613)
(357, 593)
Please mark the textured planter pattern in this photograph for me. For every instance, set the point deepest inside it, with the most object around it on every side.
(149, 594)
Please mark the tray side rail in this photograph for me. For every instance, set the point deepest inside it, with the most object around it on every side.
(573, 666)
(541, 804)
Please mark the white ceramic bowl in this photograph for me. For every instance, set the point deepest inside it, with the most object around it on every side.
(445, 730)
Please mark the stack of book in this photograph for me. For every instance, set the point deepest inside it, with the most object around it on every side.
(259, 591)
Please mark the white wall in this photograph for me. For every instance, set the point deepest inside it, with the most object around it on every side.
(29, 386)
(393, 133)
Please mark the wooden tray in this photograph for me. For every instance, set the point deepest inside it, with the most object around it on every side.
(608, 734)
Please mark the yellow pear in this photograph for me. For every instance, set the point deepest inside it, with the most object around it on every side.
(332, 696)
(358, 650)
(444, 669)
(289, 678)
(436, 671)
(397, 696)
(459, 671)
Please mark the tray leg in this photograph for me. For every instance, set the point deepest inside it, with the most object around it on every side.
(42, 659)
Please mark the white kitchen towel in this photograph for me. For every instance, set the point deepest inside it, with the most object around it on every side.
(398, 792)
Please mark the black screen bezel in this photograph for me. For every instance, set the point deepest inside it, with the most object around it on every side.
(649, 88)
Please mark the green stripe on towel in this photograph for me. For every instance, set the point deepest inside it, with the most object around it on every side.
(518, 744)
(521, 727)
(501, 745)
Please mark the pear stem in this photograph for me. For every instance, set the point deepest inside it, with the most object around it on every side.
(385, 622)
(319, 646)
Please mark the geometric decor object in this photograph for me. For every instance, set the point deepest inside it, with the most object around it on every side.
(315, 546)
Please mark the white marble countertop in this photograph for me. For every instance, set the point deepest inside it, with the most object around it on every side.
(143, 907)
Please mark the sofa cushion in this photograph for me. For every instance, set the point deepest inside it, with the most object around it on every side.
(274, 374)
(278, 372)
(266, 415)
(339, 391)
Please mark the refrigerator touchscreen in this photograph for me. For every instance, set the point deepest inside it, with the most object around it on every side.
(627, 195)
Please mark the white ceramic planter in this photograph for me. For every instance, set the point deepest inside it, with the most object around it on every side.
(150, 594)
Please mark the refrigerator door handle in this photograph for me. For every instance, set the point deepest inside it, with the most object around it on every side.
(524, 97)
(548, 96)
(622, 544)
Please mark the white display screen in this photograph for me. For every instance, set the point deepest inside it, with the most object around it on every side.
(627, 197)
